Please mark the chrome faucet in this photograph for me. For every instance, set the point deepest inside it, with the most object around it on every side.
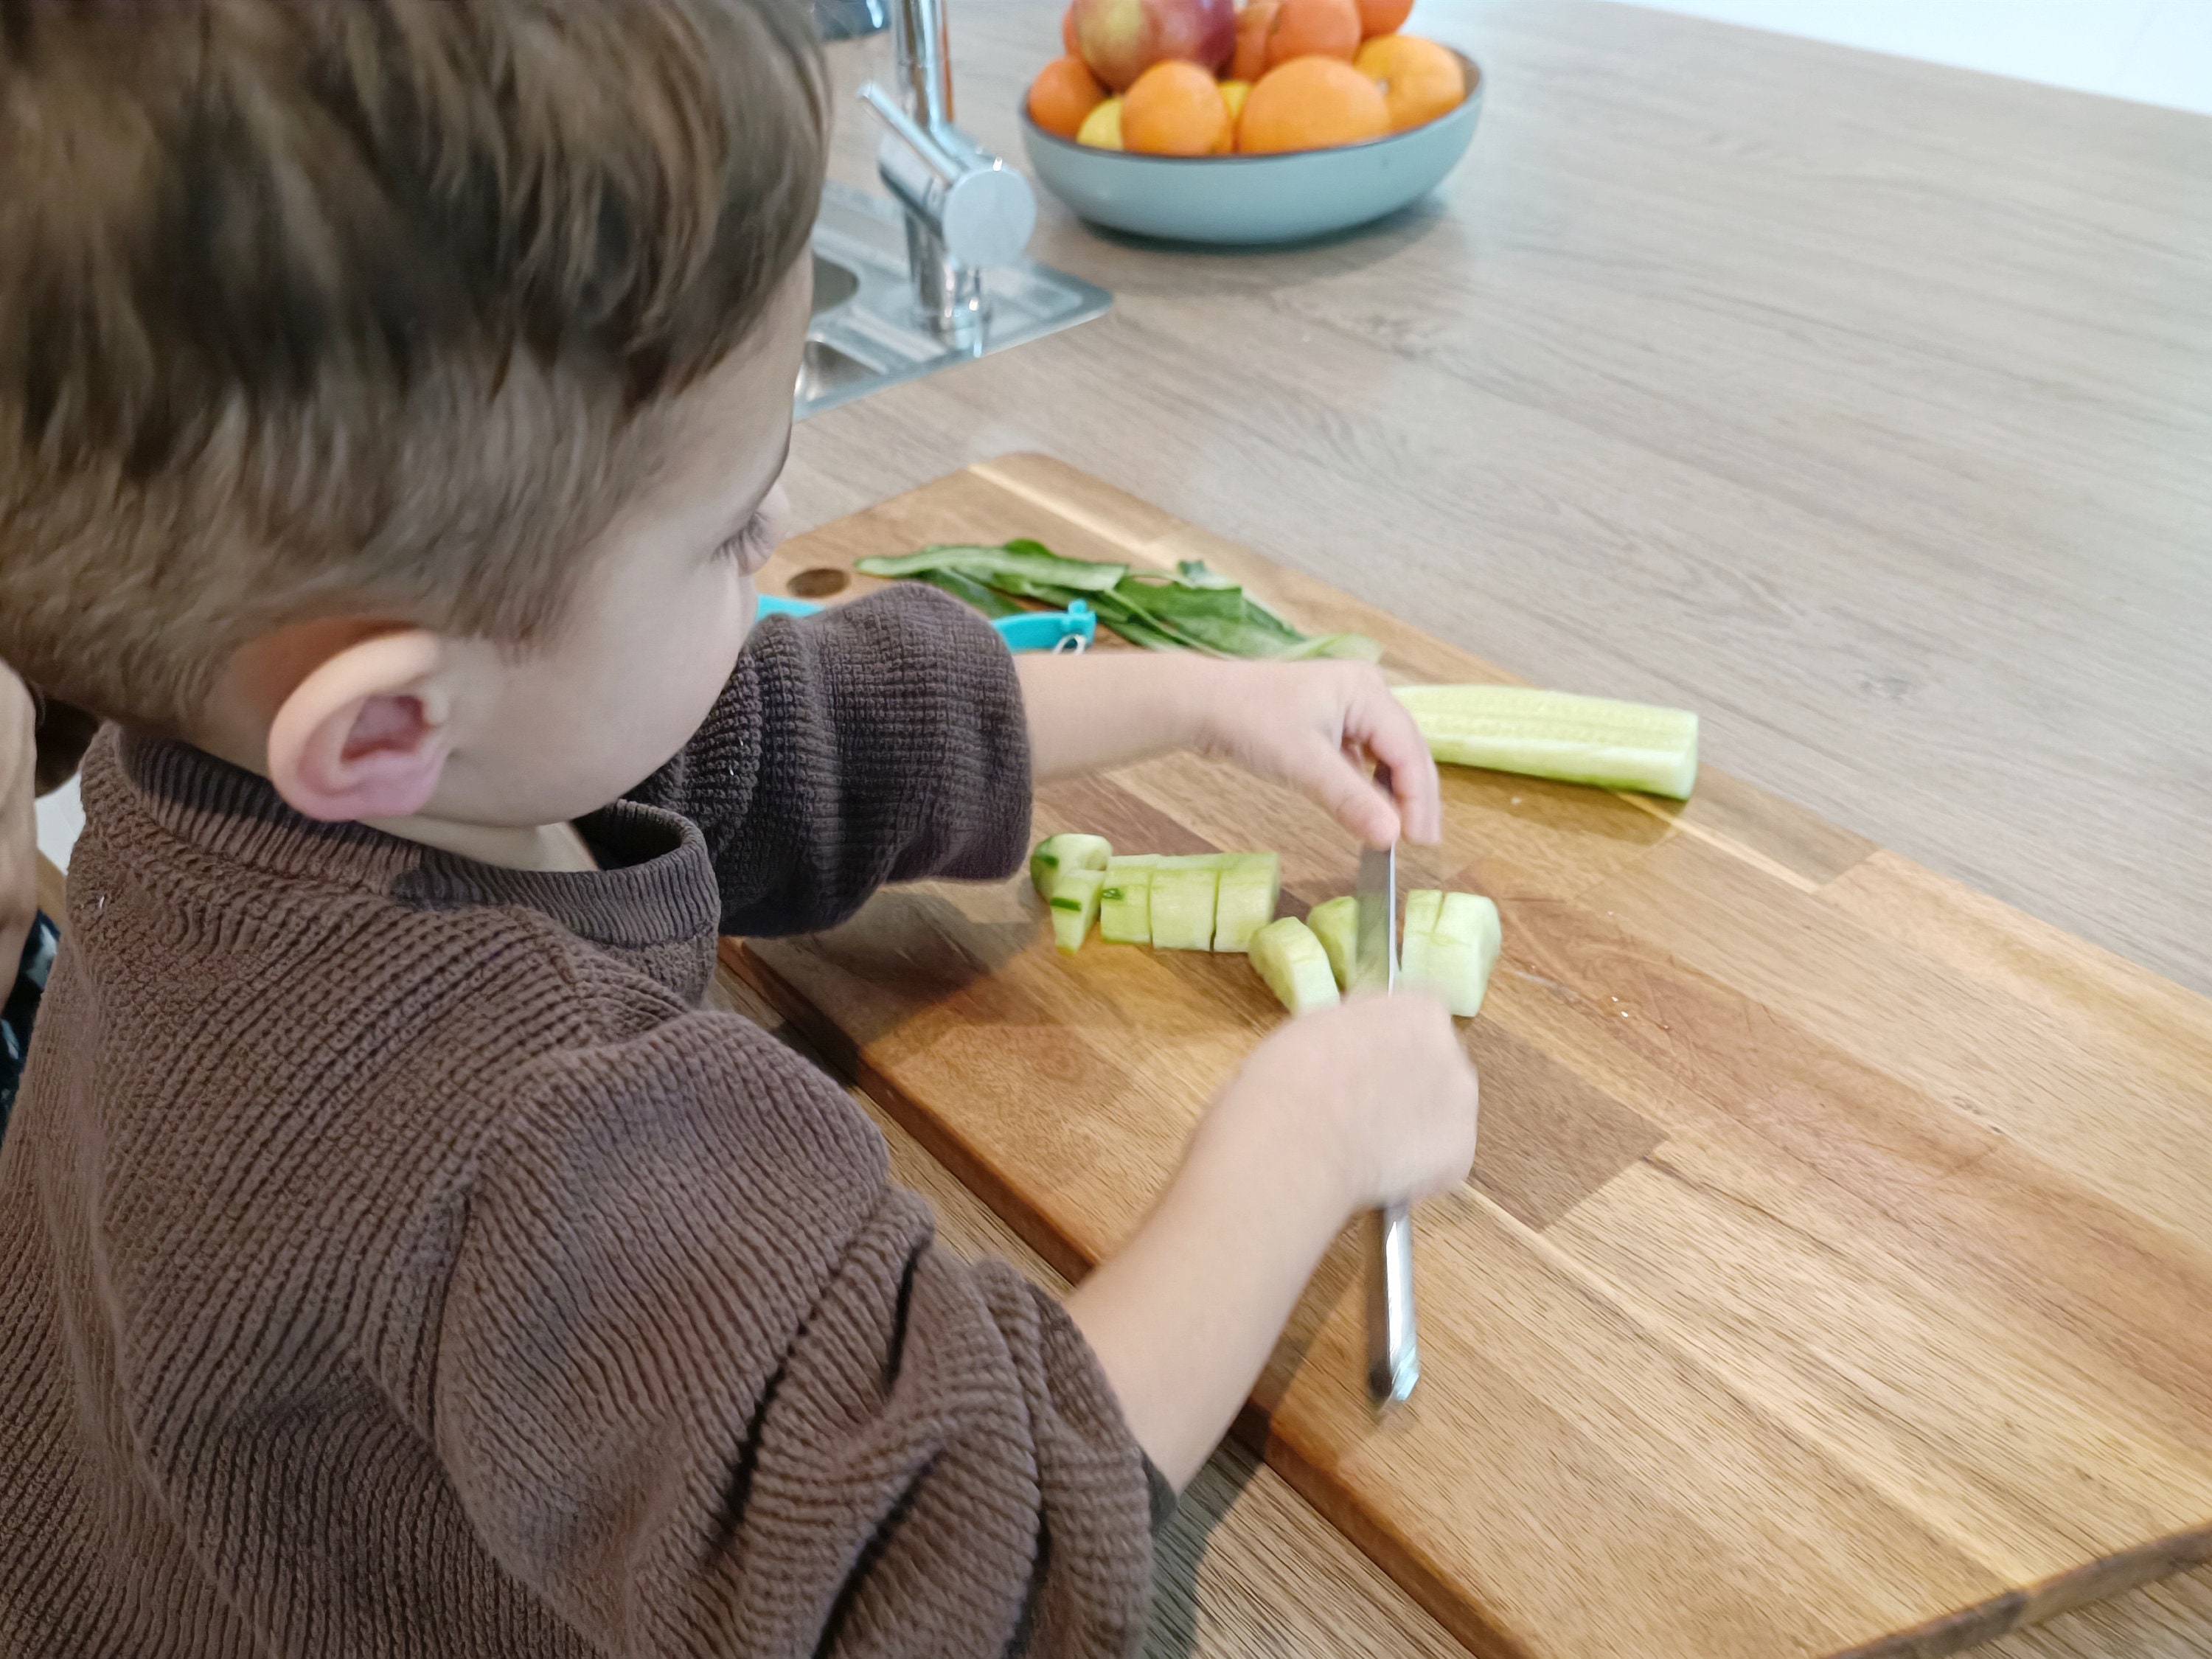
(966, 210)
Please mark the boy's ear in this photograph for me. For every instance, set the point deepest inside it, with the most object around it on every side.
(366, 733)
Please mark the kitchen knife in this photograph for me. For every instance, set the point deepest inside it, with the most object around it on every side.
(1394, 1356)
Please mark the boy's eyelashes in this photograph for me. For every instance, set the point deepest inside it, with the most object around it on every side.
(752, 546)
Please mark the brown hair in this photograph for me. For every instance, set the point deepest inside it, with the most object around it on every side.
(335, 307)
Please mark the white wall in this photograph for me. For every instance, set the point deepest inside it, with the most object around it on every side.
(2153, 52)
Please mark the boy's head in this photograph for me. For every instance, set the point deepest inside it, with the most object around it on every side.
(388, 388)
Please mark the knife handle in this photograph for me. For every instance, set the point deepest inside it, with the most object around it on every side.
(1394, 1354)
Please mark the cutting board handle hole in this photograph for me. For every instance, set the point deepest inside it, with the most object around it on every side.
(820, 583)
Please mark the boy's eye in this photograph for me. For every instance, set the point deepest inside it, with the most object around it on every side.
(749, 545)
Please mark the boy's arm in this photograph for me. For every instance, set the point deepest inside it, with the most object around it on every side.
(705, 1384)
(1318, 727)
(884, 740)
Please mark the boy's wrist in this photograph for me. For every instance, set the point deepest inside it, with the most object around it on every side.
(1252, 1139)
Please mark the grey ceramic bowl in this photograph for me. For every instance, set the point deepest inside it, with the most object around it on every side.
(1246, 200)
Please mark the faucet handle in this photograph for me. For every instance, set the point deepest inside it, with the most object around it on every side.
(981, 210)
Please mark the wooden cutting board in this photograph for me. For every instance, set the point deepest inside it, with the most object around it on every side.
(1836, 1277)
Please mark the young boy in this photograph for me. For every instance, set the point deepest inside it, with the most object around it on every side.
(399, 1261)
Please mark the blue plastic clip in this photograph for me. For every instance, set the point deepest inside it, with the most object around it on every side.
(1071, 629)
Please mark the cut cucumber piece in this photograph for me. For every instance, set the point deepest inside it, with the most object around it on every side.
(1423, 906)
(1251, 883)
(1335, 923)
(1462, 949)
(1074, 906)
(1124, 902)
(1183, 902)
(1057, 854)
(1294, 964)
(1450, 945)
(1554, 734)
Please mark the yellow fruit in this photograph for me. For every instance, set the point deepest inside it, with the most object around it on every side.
(1102, 128)
(1232, 93)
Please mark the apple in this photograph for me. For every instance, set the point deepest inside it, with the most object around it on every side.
(1122, 39)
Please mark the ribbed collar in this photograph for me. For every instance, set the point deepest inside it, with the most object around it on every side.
(656, 885)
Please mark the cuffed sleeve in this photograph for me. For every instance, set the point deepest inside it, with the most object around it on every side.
(883, 740)
(707, 1385)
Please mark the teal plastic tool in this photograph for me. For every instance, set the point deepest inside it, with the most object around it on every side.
(1071, 629)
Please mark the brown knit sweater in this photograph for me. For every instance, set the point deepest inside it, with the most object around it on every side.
(395, 1259)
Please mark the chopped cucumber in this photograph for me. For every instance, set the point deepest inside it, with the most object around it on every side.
(1124, 902)
(1423, 906)
(1250, 885)
(1074, 906)
(1182, 901)
(1450, 945)
(1553, 735)
(1462, 949)
(1335, 923)
(1057, 854)
(1294, 964)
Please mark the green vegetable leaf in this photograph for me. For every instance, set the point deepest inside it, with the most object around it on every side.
(966, 588)
(1031, 560)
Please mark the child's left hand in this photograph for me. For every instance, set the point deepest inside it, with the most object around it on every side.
(1319, 726)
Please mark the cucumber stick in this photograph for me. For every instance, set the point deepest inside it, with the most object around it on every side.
(1057, 854)
(1251, 883)
(1554, 734)
(1335, 923)
(1184, 892)
(1124, 902)
(1451, 943)
(1294, 964)
(1074, 907)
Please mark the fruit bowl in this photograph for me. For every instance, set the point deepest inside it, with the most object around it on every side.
(1242, 201)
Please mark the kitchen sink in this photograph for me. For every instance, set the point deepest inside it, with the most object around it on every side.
(865, 332)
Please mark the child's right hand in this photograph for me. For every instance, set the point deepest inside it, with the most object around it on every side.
(1375, 1098)
(1335, 1113)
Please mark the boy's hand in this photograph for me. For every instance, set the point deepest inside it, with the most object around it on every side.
(1337, 1112)
(1318, 726)
(1374, 1098)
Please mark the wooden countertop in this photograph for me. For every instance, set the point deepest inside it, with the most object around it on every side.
(1861, 405)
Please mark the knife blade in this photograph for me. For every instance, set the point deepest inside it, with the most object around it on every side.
(1393, 1355)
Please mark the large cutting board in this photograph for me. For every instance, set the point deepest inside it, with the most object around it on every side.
(1837, 1274)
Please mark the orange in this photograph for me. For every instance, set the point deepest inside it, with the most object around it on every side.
(1249, 61)
(1377, 17)
(1067, 43)
(1175, 108)
(1064, 92)
(1311, 103)
(1420, 80)
(1311, 28)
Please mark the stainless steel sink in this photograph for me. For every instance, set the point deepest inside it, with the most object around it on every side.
(866, 331)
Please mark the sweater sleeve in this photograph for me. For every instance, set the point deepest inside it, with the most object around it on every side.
(707, 1385)
(883, 740)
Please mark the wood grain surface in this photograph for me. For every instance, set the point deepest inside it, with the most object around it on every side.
(1834, 1281)
(1861, 405)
